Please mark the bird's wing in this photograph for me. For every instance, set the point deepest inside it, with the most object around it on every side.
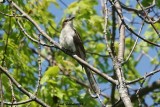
(80, 51)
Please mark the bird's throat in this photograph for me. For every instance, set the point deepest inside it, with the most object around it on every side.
(66, 38)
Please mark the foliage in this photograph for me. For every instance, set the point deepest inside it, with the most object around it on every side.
(19, 54)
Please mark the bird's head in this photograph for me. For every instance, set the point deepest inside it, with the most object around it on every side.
(68, 21)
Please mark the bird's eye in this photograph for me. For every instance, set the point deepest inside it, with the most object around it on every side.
(65, 20)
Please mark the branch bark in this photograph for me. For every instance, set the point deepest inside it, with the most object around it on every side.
(122, 88)
(144, 91)
(34, 98)
(56, 45)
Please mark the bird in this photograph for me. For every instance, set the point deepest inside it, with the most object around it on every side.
(71, 41)
(2, 1)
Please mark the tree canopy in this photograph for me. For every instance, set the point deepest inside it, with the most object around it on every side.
(122, 43)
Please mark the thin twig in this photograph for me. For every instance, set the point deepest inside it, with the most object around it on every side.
(39, 66)
(10, 15)
(12, 91)
(158, 45)
(137, 93)
(141, 78)
(148, 18)
(134, 44)
(56, 45)
(30, 95)
(63, 3)
(32, 39)
(18, 103)
(3, 62)
(100, 55)
(137, 11)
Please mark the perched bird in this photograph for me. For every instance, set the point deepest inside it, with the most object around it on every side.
(2, 1)
(70, 40)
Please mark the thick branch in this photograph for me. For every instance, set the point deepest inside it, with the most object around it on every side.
(121, 49)
(56, 45)
(122, 88)
(144, 91)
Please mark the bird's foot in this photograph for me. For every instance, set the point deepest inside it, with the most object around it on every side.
(68, 51)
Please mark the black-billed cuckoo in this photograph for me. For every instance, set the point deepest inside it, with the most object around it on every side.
(70, 40)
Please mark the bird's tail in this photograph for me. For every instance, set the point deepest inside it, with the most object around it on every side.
(94, 86)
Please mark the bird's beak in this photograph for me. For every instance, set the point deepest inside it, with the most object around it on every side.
(72, 17)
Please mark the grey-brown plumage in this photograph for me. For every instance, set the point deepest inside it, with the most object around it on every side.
(70, 40)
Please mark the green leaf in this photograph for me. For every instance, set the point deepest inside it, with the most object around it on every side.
(52, 71)
(147, 2)
(100, 47)
(59, 93)
(155, 61)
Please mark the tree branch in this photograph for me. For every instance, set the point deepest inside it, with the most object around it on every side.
(56, 45)
(143, 91)
(30, 95)
(158, 45)
(122, 88)
(147, 75)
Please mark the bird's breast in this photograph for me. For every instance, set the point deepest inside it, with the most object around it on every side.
(66, 39)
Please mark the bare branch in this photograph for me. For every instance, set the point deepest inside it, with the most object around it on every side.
(121, 49)
(148, 18)
(22, 89)
(122, 88)
(18, 103)
(147, 75)
(143, 91)
(158, 45)
(56, 45)
(134, 44)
